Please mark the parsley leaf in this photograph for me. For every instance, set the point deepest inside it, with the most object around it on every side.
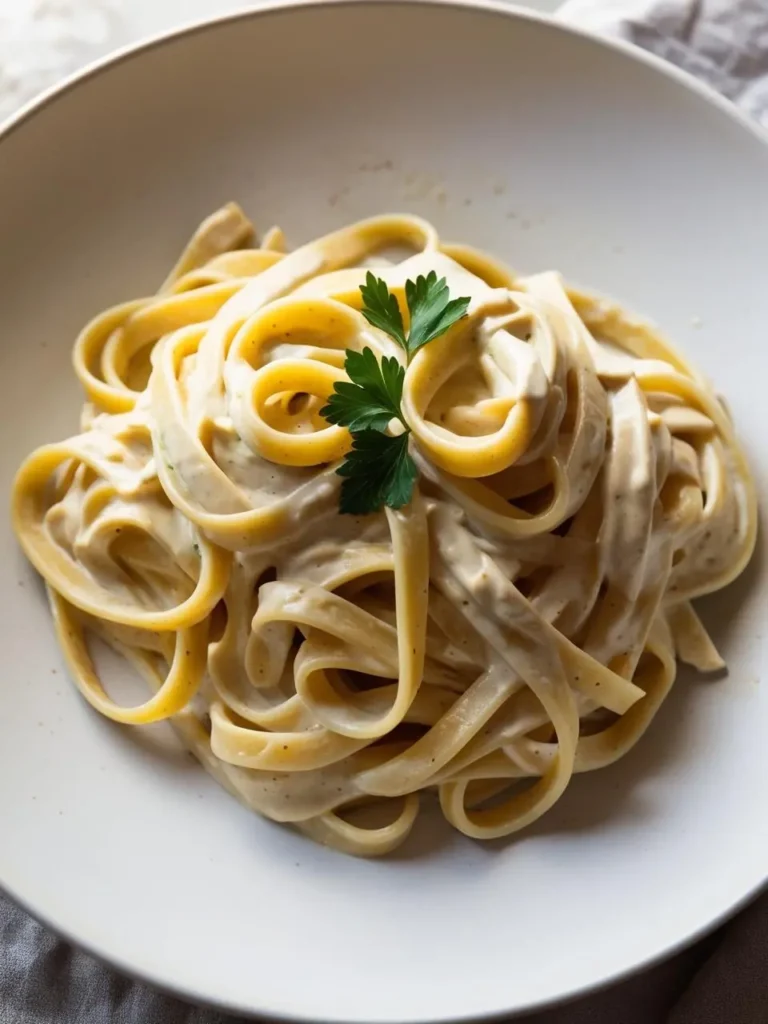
(373, 397)
(380, 308)
(432, 313)
(378, 471)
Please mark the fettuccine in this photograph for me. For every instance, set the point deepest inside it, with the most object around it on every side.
(518, 621)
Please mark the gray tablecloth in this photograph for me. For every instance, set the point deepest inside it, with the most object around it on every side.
(722, 980)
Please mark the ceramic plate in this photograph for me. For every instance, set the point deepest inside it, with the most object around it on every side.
(550, 149)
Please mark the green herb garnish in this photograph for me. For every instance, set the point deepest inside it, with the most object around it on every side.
(373, 397)
(379, 470)
(430, 309)
(432, 312)
(380, 308)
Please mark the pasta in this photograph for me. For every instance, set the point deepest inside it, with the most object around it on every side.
(517, 622)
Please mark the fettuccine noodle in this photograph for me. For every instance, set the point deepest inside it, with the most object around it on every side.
(517, 622)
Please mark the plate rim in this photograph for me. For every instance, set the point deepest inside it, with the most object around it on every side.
(513, 11)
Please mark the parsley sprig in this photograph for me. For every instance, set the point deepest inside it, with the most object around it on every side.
(430, 309)
(380, 470)
(373, 397)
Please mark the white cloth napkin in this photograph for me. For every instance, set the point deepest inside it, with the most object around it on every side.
(723, 980)
(723, 42)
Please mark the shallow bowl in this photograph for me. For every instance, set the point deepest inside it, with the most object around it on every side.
(550, 149)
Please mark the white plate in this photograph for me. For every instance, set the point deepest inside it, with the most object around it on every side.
(548, 148)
